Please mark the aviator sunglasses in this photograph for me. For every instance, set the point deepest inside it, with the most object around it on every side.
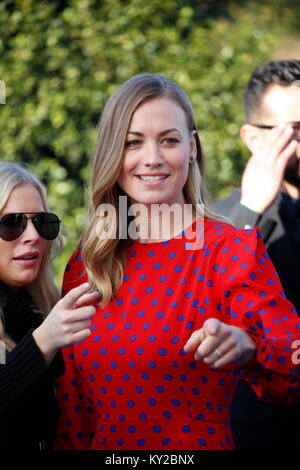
(13, 225)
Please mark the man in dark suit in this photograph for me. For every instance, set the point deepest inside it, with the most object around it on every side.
(269, 198)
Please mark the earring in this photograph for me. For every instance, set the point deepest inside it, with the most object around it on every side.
(192, 159)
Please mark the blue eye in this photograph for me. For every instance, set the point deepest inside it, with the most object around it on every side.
(132, 143)
(171, 140)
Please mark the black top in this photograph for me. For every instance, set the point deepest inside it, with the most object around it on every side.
(28, 410)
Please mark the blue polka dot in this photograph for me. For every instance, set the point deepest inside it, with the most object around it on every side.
(132, 429)
(186, 429)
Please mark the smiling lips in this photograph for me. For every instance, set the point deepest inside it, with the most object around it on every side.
(152, 179)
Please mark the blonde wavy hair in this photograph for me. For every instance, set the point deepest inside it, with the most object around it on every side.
(43, 290)
(105, 259)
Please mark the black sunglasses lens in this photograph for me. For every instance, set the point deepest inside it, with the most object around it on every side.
(47, 225)
(12, 226)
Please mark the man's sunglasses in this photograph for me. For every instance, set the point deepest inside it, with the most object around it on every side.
(13, 225)
(294, 125)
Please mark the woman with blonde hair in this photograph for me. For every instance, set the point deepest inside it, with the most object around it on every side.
(29, 338)
(166, 267)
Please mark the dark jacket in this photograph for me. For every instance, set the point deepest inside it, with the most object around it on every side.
(28, 411)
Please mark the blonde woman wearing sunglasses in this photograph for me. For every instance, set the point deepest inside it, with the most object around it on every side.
(29, 338)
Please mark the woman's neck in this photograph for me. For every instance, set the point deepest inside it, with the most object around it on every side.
(159, 222)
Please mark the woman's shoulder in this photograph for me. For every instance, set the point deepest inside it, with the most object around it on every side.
(217, 233)
(74, 272)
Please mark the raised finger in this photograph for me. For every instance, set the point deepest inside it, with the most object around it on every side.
(79, 336)
(79, 326)
(280, 138)
(83, 313)
(286, 154)
(219, 351)
(208, 345)
(88, 299)
(227, 358)
(194, 340)
(70, 299)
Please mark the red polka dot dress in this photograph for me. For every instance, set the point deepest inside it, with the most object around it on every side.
(131, 386)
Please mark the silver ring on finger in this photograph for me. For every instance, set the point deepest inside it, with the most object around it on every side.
(218, 353)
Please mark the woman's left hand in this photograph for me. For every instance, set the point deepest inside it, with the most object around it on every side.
(218, 344)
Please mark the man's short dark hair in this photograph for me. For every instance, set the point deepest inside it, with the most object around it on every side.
(281, 72)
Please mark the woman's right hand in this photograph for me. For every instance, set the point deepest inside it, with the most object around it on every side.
(68, 322)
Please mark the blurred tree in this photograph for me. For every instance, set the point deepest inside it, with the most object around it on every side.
(60, 61)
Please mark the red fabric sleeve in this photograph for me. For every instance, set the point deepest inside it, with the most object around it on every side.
(253, 299)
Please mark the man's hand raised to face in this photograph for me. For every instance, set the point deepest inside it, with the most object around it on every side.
(263, 175)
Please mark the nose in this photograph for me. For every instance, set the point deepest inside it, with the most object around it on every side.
(30, 235)
(153, 155)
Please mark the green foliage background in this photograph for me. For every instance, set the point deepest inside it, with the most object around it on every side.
(61, 60)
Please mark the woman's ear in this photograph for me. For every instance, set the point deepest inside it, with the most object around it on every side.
(193, 145)
(251, 136)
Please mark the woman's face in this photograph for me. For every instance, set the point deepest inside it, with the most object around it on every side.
(157, 151)
(21, 259)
